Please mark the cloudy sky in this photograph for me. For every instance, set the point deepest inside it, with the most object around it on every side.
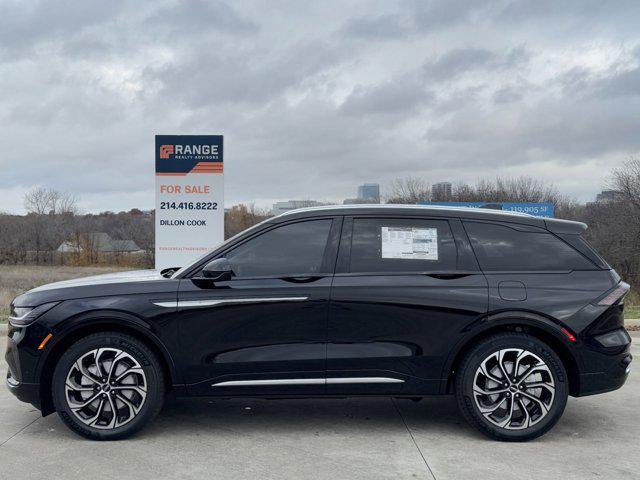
(313, 97)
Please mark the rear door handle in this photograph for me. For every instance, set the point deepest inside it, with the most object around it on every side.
(448, 276)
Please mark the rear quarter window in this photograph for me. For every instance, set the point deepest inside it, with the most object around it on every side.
(580, 244)
(502, 248)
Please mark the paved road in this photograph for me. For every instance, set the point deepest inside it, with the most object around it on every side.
(598, 437)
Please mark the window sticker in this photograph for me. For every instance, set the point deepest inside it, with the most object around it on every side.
(409, 243)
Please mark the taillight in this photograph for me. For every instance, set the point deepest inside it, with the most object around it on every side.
(614, 295)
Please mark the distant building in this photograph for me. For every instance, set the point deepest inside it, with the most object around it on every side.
(441, 192)
(369, 192)
(100, 242)
(355, 201)
(281, 207)
(609, 196)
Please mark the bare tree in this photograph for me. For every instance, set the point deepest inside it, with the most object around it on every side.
(514, 189)
(410, 190)
(43, 201)
(62, 202)
(50, 218)
(37, 200)
(626, 180)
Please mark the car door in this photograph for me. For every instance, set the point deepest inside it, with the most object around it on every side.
(264, 331)
(403, 291)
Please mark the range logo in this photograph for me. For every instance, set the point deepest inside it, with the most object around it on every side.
(183, 154)
(187, 152)
(165, 151)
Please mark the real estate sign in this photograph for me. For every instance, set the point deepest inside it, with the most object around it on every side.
(189, 197)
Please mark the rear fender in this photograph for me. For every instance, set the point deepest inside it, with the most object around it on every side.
(537, 324)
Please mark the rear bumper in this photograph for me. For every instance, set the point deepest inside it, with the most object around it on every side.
(613, 370)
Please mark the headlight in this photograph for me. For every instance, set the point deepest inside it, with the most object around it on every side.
(23, 316)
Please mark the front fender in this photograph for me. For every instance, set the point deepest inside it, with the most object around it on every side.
(71, 328)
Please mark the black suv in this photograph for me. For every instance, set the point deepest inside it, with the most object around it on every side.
(511, 313)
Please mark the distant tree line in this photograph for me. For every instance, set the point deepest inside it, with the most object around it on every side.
(53, 218)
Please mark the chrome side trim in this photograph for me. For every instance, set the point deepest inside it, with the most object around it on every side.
(307, 381)
(166, 304)
(227, 301)
(281, 381)
(337, 381)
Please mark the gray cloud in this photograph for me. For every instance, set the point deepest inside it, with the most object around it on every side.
(508, 94)
(414, 18)
(404, 96)
(462, 60)
(196, 78)
(621, 82)
(377, 28)
(525, 10)
(439, 14)
(194, 17)
(313, 99)
(26, 26)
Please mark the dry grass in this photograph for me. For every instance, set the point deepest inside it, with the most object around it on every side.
(15, 280)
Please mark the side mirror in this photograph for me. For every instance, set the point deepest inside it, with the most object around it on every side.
(218, 270)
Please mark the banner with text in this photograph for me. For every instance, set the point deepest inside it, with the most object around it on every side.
(537, 209)
(189, 197)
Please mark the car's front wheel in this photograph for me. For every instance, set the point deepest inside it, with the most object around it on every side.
(107, 386)
(512, 387)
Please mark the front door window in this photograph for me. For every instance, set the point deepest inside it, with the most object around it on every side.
(290, 250)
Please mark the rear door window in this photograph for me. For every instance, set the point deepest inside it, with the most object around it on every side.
(502, 248)
(401, 245)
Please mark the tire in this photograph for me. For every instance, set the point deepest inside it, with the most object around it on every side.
(511, 410)
(104, 373)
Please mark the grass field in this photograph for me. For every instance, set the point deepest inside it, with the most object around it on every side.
(632, 312)
(15, 280)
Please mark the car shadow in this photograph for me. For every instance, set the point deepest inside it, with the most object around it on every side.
(431, 416)
(252, 416)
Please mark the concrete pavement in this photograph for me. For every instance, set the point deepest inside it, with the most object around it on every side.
(598, 437)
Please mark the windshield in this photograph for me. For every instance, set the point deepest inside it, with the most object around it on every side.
(227, 241)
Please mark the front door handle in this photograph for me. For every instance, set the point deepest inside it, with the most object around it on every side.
(307, 279)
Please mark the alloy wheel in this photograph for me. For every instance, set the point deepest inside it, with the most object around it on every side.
(513, 388)
(106, 388)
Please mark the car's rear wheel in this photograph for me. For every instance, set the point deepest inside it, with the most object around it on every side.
(512, 387)
(107, 386)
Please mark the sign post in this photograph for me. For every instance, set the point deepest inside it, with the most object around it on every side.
(189, 197)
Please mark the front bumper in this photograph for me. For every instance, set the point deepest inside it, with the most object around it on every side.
(25, 392)
(20, 368)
